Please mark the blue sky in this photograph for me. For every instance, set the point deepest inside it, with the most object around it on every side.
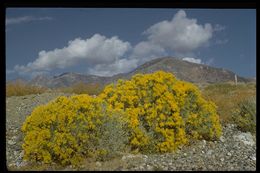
(106, 41)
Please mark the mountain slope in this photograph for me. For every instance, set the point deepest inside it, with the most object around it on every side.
(191, 72)
(184, 70)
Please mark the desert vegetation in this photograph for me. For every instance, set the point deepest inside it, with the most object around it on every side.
(235, 103)
(82, 88)
(19, 88)
(152, 113)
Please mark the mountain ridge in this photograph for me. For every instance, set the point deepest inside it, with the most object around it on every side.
(183, 70)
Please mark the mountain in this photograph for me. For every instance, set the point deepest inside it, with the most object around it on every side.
(66, 79)
(188, 71)
(184, 70)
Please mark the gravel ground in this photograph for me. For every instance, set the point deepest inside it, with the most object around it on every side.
(234, 151)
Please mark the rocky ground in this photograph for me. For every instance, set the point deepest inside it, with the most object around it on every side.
(234, 151)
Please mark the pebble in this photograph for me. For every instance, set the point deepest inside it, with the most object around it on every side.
(98, 164)
(11, 142)
(222, 139)
(253, 158)
(209, 152)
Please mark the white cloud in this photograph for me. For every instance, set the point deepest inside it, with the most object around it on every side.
(119, 66)
(109, 56)
(193, 60)
(96, 50)
(181, 34)
(146, 50)
(24, 19)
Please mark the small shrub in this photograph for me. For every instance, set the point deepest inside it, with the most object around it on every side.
(227, 96)
(20, 89)
(83, 88)
(162, 112)
(245, 115)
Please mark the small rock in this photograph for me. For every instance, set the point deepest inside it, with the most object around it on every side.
(10, 142)
(149, 168)
(253, 158)
(222, 139)
(165, 169)
(209, 152)
(11, 165)
(222, 159)
(123, 158)
(229, 154)
(185, 154)
(23, 163)
(246, 138)
(98, 164)
(204, 142)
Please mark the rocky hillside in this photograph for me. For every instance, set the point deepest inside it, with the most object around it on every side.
(191, 72)
(67, 79)
(184, 70)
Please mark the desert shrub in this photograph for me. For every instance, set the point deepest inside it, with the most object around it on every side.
(244, 115)
(114, 138)
(227, 96)
(162, 112)
(66, 130)
(20, 89)
(83, 88)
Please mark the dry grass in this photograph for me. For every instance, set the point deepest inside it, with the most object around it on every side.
(82, 88)
(227, 96)
(19, 88)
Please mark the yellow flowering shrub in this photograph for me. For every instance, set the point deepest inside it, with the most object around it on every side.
(162, 111)
(65, 130)
(149, 113)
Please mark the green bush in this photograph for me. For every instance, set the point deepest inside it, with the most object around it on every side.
(245, 115)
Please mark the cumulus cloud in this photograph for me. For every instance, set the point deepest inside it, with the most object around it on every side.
(109, 56)
(180, 34)
(119, 66)
(25, 19)
(96, 50)
(146, 50)
(193, 60)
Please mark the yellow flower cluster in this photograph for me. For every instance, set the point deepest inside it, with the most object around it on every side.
(163, 111)
(63, 130)
(160, 112)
